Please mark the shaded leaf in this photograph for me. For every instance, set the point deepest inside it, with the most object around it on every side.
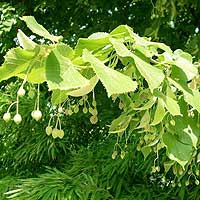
(120, 124)
(159, 113)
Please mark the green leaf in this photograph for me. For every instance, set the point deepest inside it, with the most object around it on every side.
(24, 41)
(61, 74)
(16, 61)
(142, 41)
(159, 113)
(190, 96)
(58, 96)
(152, 75)
(145, 120)
(92, 43)
(183, 60)
(122, 31)
(179, 147)
(148, 105)
(114, 81)
(193, 99)
(168, 165)
(65, 50)
(193, 137)
(36, 70)
(39, 29)
(85, 90)
(146, 150)
(120, 124)
(172, 106)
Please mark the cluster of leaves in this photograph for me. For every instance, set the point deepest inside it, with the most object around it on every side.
(157, 89)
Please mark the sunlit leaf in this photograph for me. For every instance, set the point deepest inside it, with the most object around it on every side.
(114, 81)
(39, 29)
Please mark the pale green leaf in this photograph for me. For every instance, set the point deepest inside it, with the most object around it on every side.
(159, 113)
(148, 105)
(193, 99)
(39, 29)
(58, 96)
(198, 158)
(193, 137)
(190, 96)
(184, 62)
(172, 106)
(86, 89)
(153, 75)
(144, 120)
(146, 150)
(91, 44)
(168, 165)
(65, 50)
(37, 71)
(120, 124)
(114, 81)
(142, 41)
(24, 41)
(16, 61)
(61, 74)
(98, 35)
(122, 31)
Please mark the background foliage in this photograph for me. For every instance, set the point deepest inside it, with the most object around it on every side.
(83, 158)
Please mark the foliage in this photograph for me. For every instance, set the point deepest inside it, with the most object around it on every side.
(167, 86)
(163, 111)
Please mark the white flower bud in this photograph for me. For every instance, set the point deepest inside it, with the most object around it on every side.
(21, 92)
(6, 116)
(36, 114)
(17, 119)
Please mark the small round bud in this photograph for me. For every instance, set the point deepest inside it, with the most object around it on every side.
(197, 182)
(114, 154)
(55, 133)
(60, 134)
(36, 114)
(172, 122)
(21, 92)
(93, 119)
(70, 112)
(157, 168)
(81, 102)
(17, 118)
(153, 169)
(6, 117)
(85, 110)
(94, 103)
(121, 105)
(76, 109)
(187, 183)
(122, 155)
(48, 130)
(60, 109)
